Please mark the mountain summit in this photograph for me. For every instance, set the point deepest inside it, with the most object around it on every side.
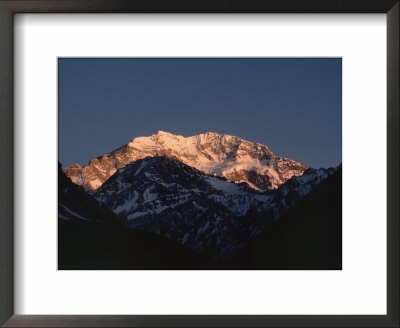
(223, 155)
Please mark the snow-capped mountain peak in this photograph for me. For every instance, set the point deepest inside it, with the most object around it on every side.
(213, 153)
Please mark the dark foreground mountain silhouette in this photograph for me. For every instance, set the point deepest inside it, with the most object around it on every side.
(308, 236)
(90, 237)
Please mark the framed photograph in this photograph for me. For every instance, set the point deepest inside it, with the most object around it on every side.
(199, 164)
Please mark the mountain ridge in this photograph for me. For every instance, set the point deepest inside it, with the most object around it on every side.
(222, 155)
(209, 214)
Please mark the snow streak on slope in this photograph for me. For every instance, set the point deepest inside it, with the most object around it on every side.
(222, 155)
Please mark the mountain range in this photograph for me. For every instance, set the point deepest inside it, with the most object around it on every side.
(210, 193)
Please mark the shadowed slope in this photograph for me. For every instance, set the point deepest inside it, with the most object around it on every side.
(308, 236)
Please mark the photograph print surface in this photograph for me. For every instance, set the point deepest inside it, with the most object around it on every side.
(200, 163)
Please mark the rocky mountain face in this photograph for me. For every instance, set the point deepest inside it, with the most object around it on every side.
(222, 155)
(208, 213)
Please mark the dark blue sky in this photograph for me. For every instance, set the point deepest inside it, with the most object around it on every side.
(294, 106)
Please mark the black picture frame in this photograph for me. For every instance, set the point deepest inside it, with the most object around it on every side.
(10, 7)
